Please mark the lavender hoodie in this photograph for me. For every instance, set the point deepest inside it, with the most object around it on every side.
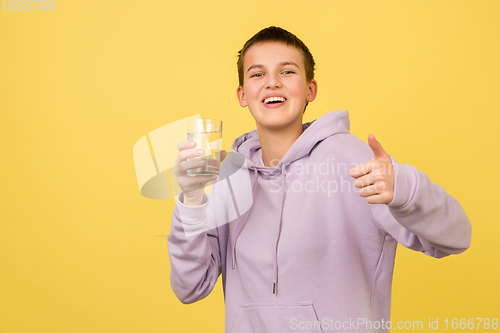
(298, 248)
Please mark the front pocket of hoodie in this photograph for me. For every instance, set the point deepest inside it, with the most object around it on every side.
(276, 318)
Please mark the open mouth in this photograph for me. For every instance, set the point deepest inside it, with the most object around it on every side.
(274, 101)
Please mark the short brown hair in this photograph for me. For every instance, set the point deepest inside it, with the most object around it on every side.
(277, 34)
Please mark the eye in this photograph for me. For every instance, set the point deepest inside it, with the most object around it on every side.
(256, 75)
(288, 72)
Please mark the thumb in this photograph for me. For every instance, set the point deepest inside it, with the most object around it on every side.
(223, 154)
(376, 147)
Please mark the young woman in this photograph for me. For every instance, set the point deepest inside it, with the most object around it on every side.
(313, 245)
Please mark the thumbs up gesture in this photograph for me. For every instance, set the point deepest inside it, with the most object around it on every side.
(375, 178)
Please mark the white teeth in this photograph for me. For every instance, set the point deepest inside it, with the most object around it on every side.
(274, 99)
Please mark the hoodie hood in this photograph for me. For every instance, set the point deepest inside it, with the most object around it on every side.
(248, 145)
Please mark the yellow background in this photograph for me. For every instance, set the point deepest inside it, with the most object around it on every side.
(82, 251)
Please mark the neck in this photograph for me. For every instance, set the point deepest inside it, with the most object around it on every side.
(275, 143)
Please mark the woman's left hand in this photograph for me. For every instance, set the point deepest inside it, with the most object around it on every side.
(375, 178)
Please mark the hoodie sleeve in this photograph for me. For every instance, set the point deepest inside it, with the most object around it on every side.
(194, 252)
(422, 216)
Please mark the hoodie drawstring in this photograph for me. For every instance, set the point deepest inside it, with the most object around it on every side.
(278, 231)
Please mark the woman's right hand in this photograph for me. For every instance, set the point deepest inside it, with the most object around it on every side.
(192, 187)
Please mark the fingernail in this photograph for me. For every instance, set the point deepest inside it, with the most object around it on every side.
(191, 144)
(201, 162)
(201, 152)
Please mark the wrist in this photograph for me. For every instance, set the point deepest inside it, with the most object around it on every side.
(193, 200)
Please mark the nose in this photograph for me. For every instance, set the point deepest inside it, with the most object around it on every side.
(273, 81)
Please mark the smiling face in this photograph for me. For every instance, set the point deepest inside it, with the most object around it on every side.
(275, 87)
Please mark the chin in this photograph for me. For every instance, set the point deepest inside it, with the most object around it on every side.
(276, 118)
(275, 123)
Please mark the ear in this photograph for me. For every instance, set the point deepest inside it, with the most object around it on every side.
(312, 90)
(241, 96)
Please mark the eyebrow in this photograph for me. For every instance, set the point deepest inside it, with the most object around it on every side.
(284, 63)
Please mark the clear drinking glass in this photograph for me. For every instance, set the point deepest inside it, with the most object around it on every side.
(207, 133)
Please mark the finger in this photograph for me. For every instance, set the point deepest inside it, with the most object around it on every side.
(187, 144)
(378, 151)
(190, 183)
(361, 169)
(188, 154)
(374, 189)
(182, 168)
(378, 199)
(364, 181)
(223, 154)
